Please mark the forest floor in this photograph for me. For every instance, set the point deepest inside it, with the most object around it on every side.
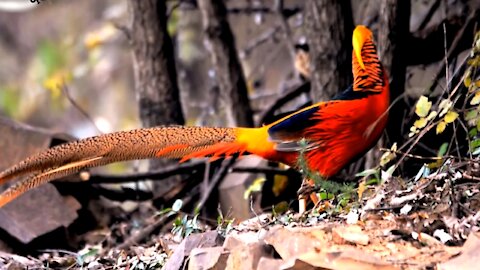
(429, 224)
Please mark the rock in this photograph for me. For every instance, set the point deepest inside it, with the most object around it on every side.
(210, 258)
(289, 242)
(247, 256)
(269, 263)
(350, 234)
(201, 240)
(234, 185)
(468, 259)
(235, 239)
(339, 260)
(40, 210)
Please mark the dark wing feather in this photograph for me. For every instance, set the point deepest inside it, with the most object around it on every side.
(292, 127)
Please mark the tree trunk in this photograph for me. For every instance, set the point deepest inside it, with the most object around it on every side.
(155, 74)
(329, 27)
(229, 73)
(394, 30)
(154, 65)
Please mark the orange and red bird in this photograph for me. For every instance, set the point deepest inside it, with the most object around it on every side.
(332, 134)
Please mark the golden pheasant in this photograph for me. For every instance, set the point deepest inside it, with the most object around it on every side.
(335, 132)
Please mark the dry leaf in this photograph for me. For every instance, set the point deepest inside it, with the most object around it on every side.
(441, 127)
(450, 117)
(423, 106)
(444, 106)
(476, 99)
(420, 123)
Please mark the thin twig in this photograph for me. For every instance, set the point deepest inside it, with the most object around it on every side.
(279, 5)
(265, 170)
(429, 15)
(446, 54)
(142, 234)
(219, 175)
(288, 12)
(450, 51)
(261, 39)
(284, 99)
(148, 230)
(72, 101)
(125, 30)
(470, 177)
(416, 140)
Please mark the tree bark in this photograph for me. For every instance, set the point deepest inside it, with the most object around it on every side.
(155, 74)
(329, 27)
(154, 65)
(393, 32)
(228, 70)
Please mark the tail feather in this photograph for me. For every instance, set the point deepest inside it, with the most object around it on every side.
(224, 149)
(166, 142)
(34, 181)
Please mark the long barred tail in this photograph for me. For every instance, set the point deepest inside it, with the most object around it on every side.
(165, 142)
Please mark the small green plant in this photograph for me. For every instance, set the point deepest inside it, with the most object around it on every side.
(329, 190)
(182, 225)
(472, 83)
(224, 224)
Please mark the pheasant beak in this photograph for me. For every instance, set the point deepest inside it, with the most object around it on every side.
(360, 35)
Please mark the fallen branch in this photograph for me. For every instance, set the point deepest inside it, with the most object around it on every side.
(176, 169)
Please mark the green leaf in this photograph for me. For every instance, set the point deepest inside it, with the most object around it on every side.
(473, 132)
(367, 172)
(326, 196)
(423, 106)
(373, 181)
(470, 115)
(443, 149)
(164, 211)
(81, 257)
(474, 144)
